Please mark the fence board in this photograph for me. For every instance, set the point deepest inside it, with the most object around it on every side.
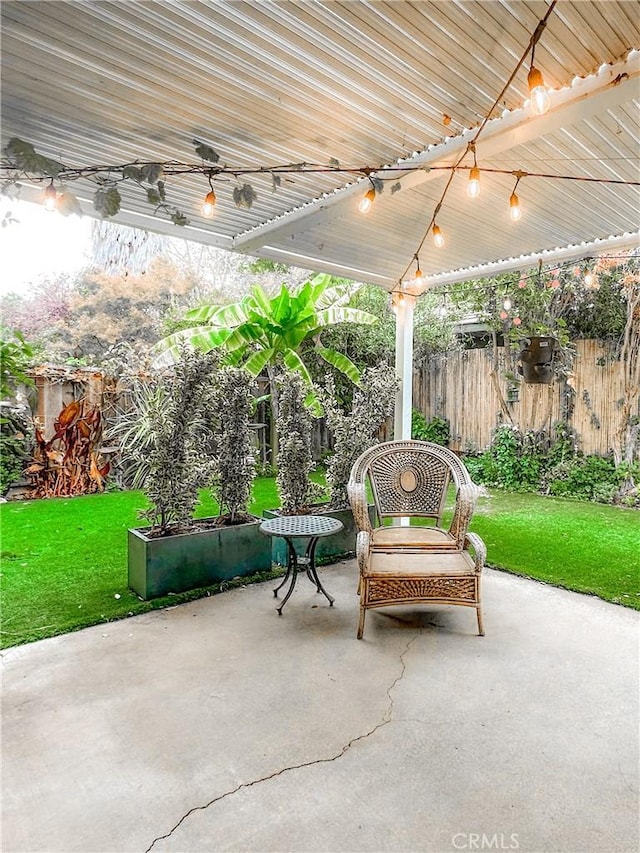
(458, 387)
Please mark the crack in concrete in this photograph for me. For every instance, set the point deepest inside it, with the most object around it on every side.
(386, 719)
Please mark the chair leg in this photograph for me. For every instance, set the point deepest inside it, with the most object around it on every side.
(363, 612)
(480, 625)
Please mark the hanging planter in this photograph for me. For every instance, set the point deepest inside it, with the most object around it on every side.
(537, 356)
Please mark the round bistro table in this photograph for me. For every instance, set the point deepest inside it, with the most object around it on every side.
(290, 528)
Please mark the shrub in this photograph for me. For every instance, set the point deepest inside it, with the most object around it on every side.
(69, 463)
(505, 449)
(355, 431)
(591, 478)
(15, 444)
(531, 462)
(436, 430)
(165, 437)
(295, 458)
(234, 471)
(15, 356)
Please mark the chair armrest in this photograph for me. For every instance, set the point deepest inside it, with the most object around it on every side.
(358, 499)
(363, 547)
(472, 540)
(466, 498)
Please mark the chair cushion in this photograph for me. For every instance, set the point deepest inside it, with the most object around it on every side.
(427, 563)
(406, 538)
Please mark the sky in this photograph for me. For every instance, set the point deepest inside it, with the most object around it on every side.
(39, 244)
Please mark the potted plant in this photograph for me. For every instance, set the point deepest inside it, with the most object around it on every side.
(185, 438)
(353, 431)
(295, 460)
(356, 430)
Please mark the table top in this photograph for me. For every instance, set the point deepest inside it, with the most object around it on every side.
(301, 525)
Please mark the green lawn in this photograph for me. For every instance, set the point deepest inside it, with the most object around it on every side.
(64, 561)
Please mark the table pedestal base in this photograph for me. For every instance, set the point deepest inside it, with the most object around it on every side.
(294, 564)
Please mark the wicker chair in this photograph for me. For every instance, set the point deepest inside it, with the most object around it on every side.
(417, 563)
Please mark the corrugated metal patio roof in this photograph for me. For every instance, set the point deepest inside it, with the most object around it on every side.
(366, 83)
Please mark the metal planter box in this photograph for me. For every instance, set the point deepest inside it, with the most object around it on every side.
(329, 548)
(195, 559)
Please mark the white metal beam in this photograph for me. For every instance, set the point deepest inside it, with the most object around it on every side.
(405, 304)
(612, 85)
(145, 221)
(318, 264)
(622, 243)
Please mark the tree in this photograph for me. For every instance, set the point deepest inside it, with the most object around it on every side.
(105, 310)
(266, 333)
(15, 356)
(41, 311)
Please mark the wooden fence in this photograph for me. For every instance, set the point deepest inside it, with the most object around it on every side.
(458, 387)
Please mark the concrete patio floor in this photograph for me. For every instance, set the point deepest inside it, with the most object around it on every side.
(219, 726)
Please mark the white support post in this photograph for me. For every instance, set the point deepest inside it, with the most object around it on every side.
(405, 304)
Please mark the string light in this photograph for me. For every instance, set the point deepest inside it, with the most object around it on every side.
(515, 211)
(397, 300)
(418, 278)
(50, 198)
(209, 203)
(540, 100)
(438, 237)
(366, 202)
(514, 208)
(507, 304)
(473, 185)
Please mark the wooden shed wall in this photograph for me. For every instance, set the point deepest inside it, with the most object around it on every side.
(457, 386)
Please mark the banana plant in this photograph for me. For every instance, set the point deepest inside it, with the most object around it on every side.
(261, 333)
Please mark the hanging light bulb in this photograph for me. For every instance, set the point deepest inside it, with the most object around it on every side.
(540, 100)
(515, 212)
(438, 237)
(209, 203)
(367, 201)
(418, 278)
(473, 186)
(50, 198)
(590, 280)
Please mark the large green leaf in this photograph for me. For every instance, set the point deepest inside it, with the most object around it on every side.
(295, 363)
(303, 299)
(202, 314)
(167, 351)
(313, 404)
(230, 316)
(243, 336)
(234, 357)
(345, 315)
(340, 362)
(319, 283)
(281, 307)
(261, 300)
(336, 296)
(256, 362)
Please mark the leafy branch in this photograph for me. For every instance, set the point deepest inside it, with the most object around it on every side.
(21, 160)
